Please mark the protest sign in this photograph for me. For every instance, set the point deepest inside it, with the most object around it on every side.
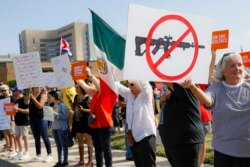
(28, 70)
(62, 71)
(4, 119)
(49, 79)
(79, 70)
(167, 46)
(246, 59)
(48, 113)
(9, 108)
(220, 39)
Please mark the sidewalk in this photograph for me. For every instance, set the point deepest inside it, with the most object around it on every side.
(118, 157)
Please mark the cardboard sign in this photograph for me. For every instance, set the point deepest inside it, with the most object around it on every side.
(220, 39)
(78, 70)
(167, 46)
(49, 79)
(4, 119)
(48, 113)
(9, 108)
(62, 71)
(28, 70)
(246, 58)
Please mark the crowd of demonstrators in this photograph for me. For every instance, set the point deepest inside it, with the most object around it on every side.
(80, 127)
(59, 126)
(10, 146)
(21, 123)
(38, 125)
(182, 126)
(141, 121)
(228, 98)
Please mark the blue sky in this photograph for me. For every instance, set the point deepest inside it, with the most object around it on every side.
(18, 15)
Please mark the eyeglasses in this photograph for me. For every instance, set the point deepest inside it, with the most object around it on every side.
(3, 90)
(225, 55)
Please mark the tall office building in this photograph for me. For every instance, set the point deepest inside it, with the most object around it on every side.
(47, 43)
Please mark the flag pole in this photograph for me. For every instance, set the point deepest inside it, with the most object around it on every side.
(60, 46)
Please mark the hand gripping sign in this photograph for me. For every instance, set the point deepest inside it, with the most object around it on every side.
(167, 46)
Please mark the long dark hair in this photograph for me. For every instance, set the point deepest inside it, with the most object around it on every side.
(55, 95)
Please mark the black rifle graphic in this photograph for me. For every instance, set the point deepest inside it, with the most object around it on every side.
(161, 43)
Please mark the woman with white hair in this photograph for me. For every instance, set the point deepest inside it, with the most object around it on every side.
(229, 99)
(141, 121)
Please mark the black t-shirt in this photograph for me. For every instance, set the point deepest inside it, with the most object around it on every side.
(34, 111)
(182, 124)
(123, 109)
(21, 119)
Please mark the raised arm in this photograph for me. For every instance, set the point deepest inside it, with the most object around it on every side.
(211, 67)
(39, 104)
(198, 93)
(88, 89)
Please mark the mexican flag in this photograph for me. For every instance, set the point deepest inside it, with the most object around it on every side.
(104, 45)
(111, 44)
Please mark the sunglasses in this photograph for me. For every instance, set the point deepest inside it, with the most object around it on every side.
(3, 90)
(225, 55)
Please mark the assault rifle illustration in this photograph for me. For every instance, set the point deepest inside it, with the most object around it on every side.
(161, 43)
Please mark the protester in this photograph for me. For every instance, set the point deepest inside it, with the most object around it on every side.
(67, 95)
(206, 119)
(122, 105)
(22, 122)
(80, 125)
(115, 117)
(39, 127)
(59, 125)
(102, 125)
(180, 127)
(141, 121)
(229, 101)
(10, 147)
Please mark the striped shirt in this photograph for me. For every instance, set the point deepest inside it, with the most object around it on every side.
(231, 118)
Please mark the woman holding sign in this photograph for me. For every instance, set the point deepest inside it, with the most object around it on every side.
(229, 101)
(39, 127)
(59, 125)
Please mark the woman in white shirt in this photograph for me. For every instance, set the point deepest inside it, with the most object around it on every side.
(141, 122)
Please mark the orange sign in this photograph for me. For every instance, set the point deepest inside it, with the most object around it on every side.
(79, 70)
(246, 58)
(220, 39)
(9, 108)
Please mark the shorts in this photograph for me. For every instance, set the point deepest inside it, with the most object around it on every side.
(207, 126)
(21, 131)
(12, 129)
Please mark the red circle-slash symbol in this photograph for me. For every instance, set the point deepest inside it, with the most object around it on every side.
(153, 66)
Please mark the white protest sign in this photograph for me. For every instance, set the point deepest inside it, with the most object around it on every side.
(4, 119)
(167, 46)
(48, 113)
(62, 71)
(49, 79)
(28, 70)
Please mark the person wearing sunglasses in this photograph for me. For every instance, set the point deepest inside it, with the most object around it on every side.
(141, 121)
(9, 133)
(228, 98)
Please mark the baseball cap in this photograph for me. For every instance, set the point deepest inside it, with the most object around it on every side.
(15, 89)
